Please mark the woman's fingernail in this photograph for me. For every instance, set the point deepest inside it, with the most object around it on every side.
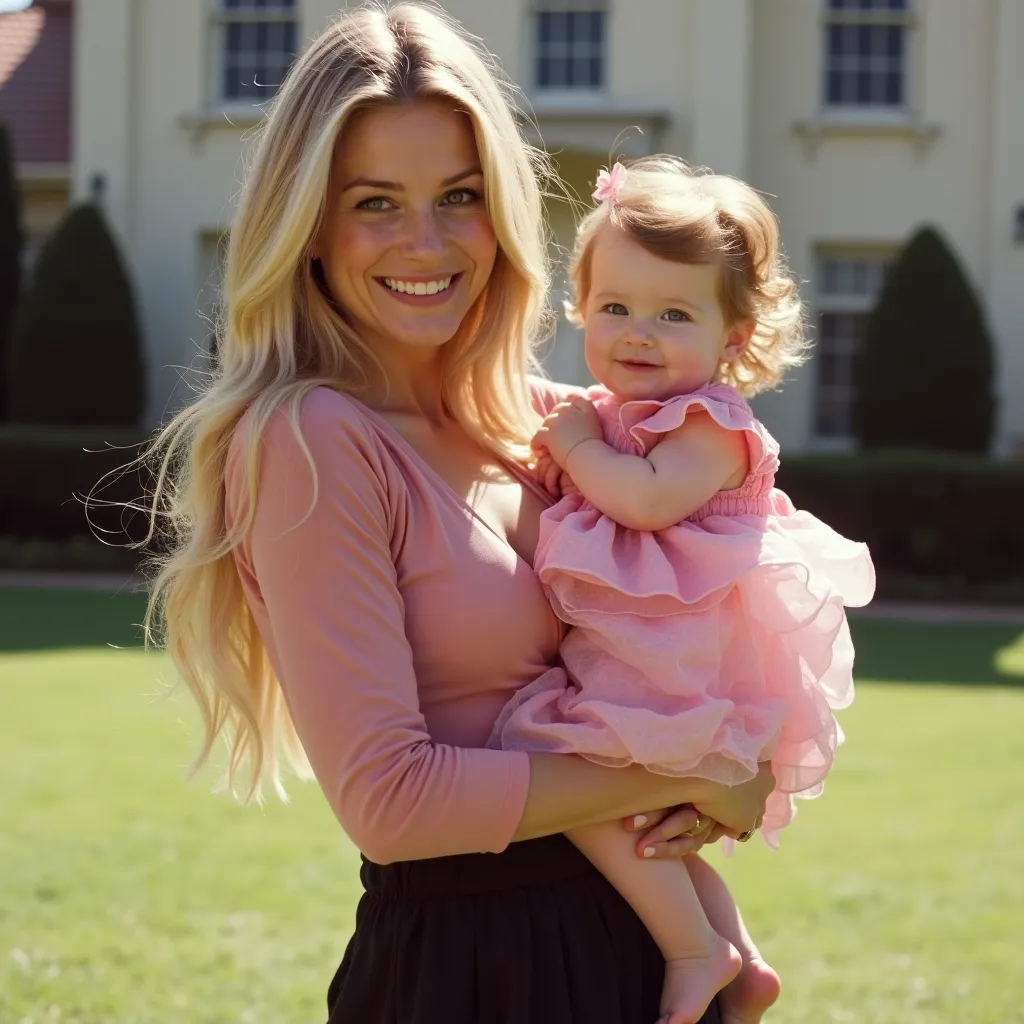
(639, 821)
(649, 851)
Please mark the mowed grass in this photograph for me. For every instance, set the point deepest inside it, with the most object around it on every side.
(129, 896)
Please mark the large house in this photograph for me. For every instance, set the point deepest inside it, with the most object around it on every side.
(862, 118)
(35, 104)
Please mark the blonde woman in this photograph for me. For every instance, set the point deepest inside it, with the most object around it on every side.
(352, 578)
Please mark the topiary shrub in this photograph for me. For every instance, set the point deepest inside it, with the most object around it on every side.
(10, 258)
(924, 375)
(75, 356)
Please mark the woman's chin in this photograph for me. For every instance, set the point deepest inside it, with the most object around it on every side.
(426, 340)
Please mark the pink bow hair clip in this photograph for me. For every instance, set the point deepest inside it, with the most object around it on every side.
(609, 183)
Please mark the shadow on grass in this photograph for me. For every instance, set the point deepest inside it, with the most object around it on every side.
(48, 620)
(956, 654)
(974, 654)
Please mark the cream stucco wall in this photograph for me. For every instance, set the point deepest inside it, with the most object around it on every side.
(875, 186)
(721, 82)
(1005, 270)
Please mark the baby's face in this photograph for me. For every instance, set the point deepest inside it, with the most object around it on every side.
(654, 328)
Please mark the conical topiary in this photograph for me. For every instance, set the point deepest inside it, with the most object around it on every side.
(10, 258)
(76, 355)
(924, 375)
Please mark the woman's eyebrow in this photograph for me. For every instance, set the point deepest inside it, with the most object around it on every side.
(395, 186)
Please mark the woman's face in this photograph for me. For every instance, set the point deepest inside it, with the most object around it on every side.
(406, 245)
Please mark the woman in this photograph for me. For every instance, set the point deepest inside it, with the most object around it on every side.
(352, 577)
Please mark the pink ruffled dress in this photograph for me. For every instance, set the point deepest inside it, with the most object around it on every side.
(704, 648)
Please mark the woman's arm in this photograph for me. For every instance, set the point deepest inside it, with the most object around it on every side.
(567, 792)
(320, 573)
(683, 471)
(321, 578)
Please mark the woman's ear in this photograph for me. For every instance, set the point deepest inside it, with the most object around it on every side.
(737, 340)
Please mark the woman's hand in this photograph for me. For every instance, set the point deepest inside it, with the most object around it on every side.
(731, 811)
(740, 808)
(674, 832)
(567, 425)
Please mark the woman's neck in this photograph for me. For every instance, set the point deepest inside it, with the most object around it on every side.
(411, 387)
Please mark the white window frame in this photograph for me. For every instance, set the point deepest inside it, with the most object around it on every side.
(568, 94)
(851, 298)
(874, 111)
(221, 17)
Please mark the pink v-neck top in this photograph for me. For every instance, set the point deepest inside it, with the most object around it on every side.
(398, 624)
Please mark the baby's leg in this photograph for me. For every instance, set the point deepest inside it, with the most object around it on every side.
(699, 963)
(756, 987)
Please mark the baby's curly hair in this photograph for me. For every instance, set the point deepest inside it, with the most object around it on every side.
(695, 216)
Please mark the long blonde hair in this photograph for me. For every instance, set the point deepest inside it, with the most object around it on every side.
(281, 336)
(691, 215)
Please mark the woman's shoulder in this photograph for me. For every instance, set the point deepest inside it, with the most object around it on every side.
(546, 394)
(325, 429)
(325, 418)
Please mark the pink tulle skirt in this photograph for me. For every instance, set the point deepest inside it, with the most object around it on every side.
(700, 650)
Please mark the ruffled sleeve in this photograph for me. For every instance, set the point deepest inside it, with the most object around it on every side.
(647, 422)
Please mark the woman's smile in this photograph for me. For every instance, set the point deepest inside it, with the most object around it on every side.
(415, 290)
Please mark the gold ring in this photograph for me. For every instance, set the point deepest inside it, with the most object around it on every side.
(696, 828)
(746, 835)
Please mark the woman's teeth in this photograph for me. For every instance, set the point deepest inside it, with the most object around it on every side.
(418, 287)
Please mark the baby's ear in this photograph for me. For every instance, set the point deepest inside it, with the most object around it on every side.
(737, 340)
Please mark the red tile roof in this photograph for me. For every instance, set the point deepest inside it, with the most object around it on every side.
(35, 81)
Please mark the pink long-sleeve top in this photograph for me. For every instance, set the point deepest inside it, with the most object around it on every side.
(398, 625)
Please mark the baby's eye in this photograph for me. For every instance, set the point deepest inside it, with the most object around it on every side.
(675, 316)
(375, 203)
(615, 308)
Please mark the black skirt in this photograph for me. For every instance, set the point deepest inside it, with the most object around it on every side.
(534, 935)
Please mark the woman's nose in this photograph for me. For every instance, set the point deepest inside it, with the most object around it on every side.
(423, 236)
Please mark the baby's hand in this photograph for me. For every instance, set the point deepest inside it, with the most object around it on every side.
(566, 485)
(547, 473)
(569, 424)
(552, 478)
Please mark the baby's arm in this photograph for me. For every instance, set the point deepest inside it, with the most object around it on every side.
(688, 467)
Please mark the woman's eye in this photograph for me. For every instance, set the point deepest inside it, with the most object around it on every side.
(461, 197)
(675, 315)
(374, 203)
(615, 308)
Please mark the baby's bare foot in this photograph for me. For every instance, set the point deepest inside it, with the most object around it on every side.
(745, 999)
(692, 982)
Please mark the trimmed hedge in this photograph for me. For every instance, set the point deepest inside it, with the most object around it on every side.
(56, 484)
(75, 354)
(926, 336)
(10, 257)
(938, 525)
(946, 527)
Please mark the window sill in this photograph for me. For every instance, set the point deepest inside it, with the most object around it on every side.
(230, 116)
(560, 99)
(51, 176)
(866, 124)
(593, 123)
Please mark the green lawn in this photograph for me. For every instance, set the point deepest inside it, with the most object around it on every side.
(127, 895)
